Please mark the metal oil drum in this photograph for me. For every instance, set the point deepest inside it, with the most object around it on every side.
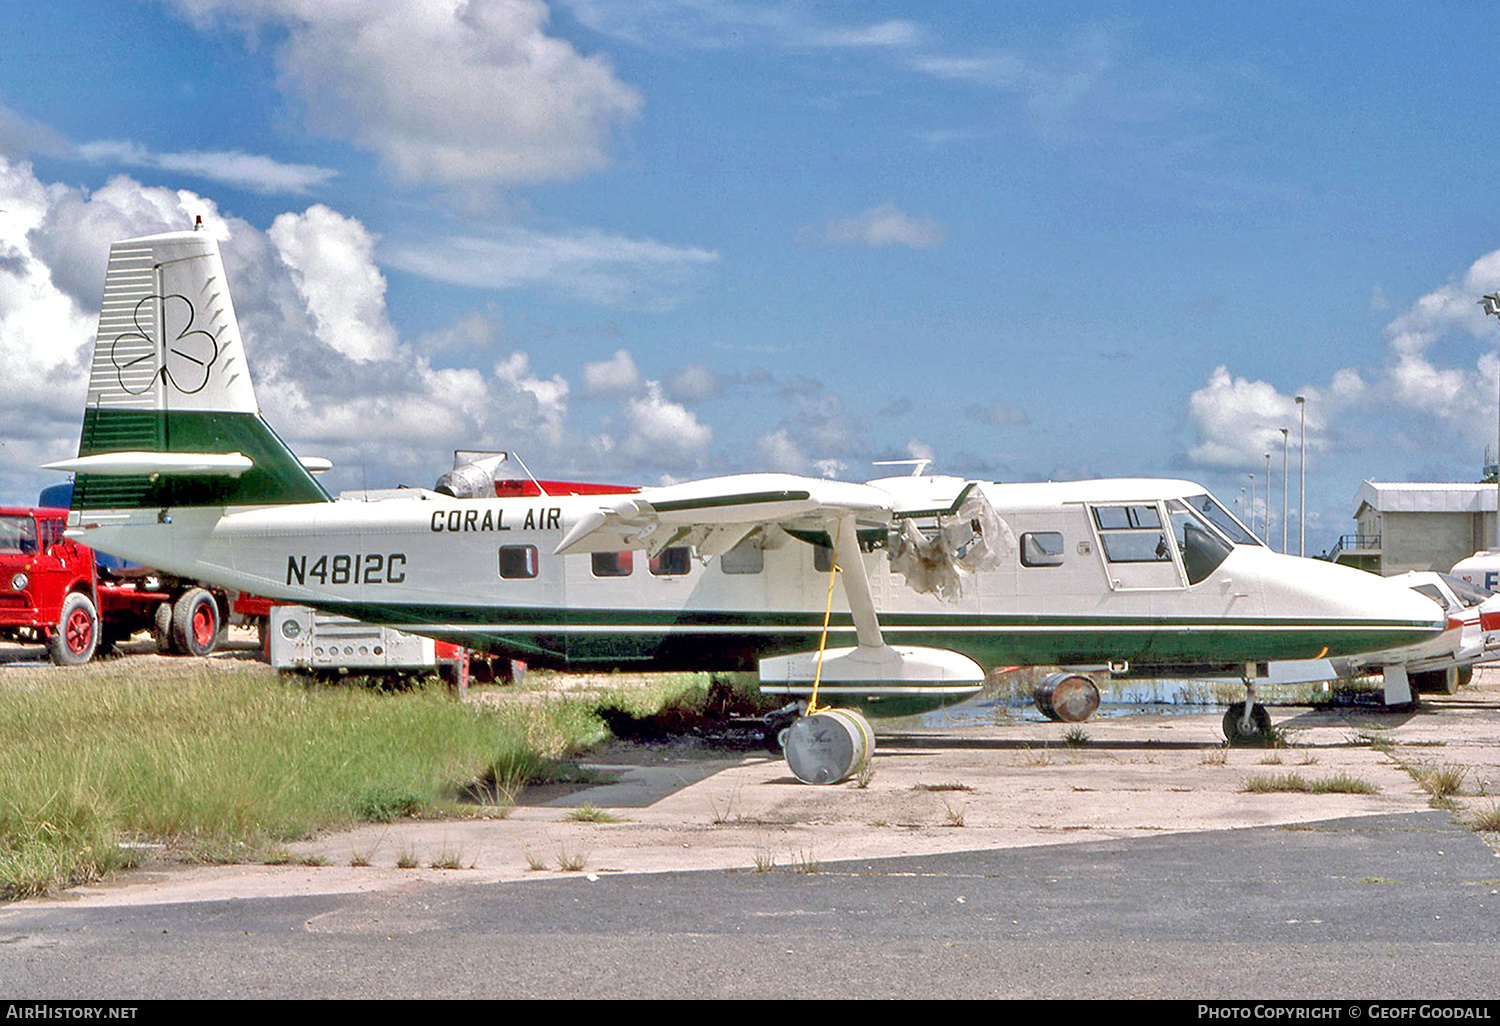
(828, 747)
(1069, 697)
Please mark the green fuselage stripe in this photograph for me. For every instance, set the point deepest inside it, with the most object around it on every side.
(662, 639)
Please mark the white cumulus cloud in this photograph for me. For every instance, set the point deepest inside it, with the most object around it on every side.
(332, 261)
(615, 376)
(451, 92)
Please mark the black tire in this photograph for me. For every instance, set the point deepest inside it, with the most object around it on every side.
(1260, 725)
(77, 634)
(195, 622)
(1465, 675)
(161, 630)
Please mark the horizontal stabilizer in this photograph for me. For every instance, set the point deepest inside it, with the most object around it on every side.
(138, 464)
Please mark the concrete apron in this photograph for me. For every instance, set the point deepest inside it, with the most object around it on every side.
(931, 791)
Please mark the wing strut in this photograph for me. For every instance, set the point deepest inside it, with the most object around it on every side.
(857, 583)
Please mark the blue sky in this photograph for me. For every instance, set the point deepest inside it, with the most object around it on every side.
(660, 239)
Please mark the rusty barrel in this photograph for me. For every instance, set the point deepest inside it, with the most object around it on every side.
(1069, 697)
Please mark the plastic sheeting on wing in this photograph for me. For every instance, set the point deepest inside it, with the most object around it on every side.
(969, 542)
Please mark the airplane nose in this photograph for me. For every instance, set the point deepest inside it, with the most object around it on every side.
(1361, 611)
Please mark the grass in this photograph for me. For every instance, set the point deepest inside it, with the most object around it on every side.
(223, 761)
(592, 814)
(1486, 820)
(1076, 737)
(447, 859)
(1440, 781)
(571, 861)
(1339, 783)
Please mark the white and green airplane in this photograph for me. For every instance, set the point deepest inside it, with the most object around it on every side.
(942, 578)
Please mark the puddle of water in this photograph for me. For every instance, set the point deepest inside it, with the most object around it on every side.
(1011, 701)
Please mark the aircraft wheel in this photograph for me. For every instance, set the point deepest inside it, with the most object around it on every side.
(77, 634)
(195, 622)
(1260, 724)
(1465, 675)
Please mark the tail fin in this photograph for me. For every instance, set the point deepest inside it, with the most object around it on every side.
(171, 417)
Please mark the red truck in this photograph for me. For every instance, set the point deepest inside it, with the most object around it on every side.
(52, 591)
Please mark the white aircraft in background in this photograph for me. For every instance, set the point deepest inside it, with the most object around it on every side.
(1482, 570)
(941, 578)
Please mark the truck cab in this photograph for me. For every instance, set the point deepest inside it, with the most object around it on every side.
(47, 591)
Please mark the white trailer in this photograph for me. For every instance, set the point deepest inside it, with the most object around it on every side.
(308, 641)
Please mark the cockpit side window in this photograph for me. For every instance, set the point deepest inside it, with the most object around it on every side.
(1132, 534)
(1202, 549)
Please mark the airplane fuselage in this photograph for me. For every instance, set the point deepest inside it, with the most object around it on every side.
(1087, 583)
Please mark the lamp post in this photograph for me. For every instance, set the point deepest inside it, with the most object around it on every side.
(1265, 521)
(1491, 304)
(1302, 484)
(1250, 509)
(1284, 484)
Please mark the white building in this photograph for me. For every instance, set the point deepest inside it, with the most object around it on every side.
(1417, 526)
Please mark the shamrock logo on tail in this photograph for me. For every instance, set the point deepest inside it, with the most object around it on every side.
(183, 362)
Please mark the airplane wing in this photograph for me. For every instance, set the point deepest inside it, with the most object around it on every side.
(715, 514)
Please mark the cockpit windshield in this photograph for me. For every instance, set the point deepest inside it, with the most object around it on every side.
(1221, 518)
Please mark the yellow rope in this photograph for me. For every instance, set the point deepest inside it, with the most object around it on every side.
(812, 702)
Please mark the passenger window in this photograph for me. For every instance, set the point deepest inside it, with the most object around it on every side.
(672, 562)
(613, 564)
(748, 557)
(1042, 548)
(518, 562)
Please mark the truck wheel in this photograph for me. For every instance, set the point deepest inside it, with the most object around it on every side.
(77, 633)
(161, 629)
(195, 622)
